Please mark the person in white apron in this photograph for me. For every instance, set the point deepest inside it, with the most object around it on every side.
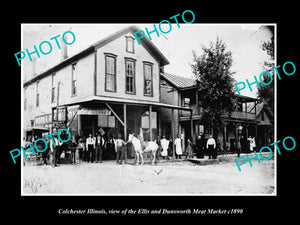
(165, 145)
(178, 148)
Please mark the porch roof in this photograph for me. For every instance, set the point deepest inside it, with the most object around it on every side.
(122, 101)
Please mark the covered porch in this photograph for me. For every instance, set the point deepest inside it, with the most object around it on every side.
(114, 116)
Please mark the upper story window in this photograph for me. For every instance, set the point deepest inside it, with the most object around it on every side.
(74, 79)
(110, 72)
(53, 88)
(37, 99)
(130, 75)
(186, 102)
(148, 79)
(129, 44)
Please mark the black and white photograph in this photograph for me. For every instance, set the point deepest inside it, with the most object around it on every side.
(148, 109)
(145, 111)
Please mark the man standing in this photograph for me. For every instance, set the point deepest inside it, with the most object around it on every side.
(210, 145)
(54, 148)
(99, 147)
(90, 146)
(199, 146)
(119, 143)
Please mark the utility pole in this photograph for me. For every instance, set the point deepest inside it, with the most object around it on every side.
(57, 100)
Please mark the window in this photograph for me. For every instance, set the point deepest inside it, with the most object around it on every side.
(130, 75)
(130, 44)
(110, 73)
(74, 79)
(37, 100)
(148, 90)
(186, 102)
(53, 88)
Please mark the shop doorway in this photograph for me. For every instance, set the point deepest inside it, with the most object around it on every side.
(89, 124)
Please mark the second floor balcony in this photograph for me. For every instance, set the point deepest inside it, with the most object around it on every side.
(240, 115)
(234, 115)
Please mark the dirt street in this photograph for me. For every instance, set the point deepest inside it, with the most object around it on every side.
(160, 179)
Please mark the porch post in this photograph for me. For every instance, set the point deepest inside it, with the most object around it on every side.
(192, 134)
(236, 132)
(173, 134)
(79, 124)
(158, 122)
(247, 131)
(150, 128)
(197, 102)
(256, 138)
(225, 133)
(125, 121)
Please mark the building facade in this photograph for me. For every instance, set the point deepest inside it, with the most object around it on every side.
(245, 121)
(113, 85)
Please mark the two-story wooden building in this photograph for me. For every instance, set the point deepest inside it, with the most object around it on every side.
(113, 84)
(243, 121)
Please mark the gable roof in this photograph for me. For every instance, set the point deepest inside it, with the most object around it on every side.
(146, 43)
(178, 81)
(262, 108)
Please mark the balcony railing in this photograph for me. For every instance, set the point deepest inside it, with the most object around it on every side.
(240, 115)
(187, 113)
(233, 115)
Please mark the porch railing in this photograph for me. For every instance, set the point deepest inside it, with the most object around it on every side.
(240, 115)
(234, 114)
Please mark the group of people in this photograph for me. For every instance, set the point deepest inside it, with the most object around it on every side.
(91, 149)
(55, 147)
(242, 144)
(199, 148)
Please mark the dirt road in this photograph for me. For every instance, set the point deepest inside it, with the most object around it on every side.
(163, 178)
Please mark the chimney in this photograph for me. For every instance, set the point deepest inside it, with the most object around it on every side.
(64, 49)
(33, 66)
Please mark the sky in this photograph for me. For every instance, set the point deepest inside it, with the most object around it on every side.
(244, 40)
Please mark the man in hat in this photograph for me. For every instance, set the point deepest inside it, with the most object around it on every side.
(55, 150)
(99, 145)
(90, 146)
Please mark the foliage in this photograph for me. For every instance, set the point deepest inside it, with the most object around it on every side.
(215, 81)
(266, 93)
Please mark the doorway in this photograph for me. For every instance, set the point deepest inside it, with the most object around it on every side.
(89, 124)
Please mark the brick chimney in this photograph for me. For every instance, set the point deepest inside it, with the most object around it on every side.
(64, 49)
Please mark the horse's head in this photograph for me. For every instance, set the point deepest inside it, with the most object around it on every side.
(130, 137)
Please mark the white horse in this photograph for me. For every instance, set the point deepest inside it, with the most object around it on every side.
(150, 146)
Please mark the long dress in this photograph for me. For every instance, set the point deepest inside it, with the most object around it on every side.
(164, 144)
(178, 148)
(189, 149)
(252, 143)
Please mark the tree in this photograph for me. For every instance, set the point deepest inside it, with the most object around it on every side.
(266, 93)
(215, 81)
